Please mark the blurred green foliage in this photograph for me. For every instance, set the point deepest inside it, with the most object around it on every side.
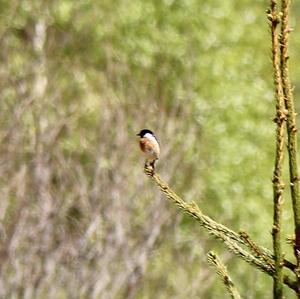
(199, 74)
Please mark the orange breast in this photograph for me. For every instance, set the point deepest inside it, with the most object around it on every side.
(150, 148)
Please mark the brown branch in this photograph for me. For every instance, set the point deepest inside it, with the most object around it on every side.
(256, 249)
(263, 252)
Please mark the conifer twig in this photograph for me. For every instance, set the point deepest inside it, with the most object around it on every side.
(230, 238)
(206, 221)
(223, 273)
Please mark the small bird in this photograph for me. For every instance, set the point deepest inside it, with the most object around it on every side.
(149, 146)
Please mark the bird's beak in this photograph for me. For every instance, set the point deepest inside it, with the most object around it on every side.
(137, 134)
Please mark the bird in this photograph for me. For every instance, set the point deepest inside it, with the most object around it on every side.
(149, 146)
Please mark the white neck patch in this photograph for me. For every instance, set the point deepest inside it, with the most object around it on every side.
(150, 137)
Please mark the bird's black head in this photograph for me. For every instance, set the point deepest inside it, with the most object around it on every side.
(144, 132)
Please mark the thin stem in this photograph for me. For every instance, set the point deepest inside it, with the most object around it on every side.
(223, 273)
(291, 131)
(278, 185)
(257, 250)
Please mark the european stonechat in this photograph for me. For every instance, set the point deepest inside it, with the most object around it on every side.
(149, 146)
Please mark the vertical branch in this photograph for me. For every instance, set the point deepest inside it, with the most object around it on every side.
(278, 185)
(291, 130)
(222, 271)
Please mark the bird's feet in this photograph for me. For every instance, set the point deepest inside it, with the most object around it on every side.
(149, 169)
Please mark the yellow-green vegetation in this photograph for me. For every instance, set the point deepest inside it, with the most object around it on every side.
(78, 80)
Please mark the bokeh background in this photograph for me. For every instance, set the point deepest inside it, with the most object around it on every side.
(78, 80)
